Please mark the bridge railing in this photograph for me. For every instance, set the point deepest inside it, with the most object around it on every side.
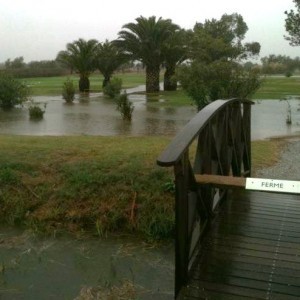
(215, 142)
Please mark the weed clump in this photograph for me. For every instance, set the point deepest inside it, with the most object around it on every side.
(36, 112)
(125, 107)
(68, 91)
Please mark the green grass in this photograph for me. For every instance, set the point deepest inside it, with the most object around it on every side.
(278, 87)
(102, 184)
(53, 85)
(96, 184)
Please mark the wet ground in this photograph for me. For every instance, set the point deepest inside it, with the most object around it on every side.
(68, 268)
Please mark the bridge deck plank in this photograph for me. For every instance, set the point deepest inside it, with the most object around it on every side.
(252, 250)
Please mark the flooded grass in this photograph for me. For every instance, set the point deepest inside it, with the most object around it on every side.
(121, 267)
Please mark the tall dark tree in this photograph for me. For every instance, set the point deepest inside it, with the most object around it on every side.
(109, 59)
(215, 53)
(144, 41)
(174, 53)
(80, 56)
(292, 25)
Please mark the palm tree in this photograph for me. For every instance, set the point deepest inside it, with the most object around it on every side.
(144, 41)
(175, 52)
(80, 56)
(109, 59)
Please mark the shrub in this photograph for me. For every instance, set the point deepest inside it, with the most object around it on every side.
(125, 107)
(113, 88)
(68, 91)
(12, 91)
(35, 112)
(288, 74)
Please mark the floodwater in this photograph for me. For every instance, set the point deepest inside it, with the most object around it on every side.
(68, 268)
(269, 119)
(97, 115)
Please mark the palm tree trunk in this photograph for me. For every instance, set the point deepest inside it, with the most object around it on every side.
(84, 84)
(152, 79)
(170, 84)
(106, 80)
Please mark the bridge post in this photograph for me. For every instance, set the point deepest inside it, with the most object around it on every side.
(181, 170)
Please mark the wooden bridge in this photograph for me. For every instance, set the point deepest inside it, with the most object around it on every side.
(231, 243)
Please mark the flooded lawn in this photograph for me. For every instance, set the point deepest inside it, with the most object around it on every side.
(95, 116)
(98, 116)
(65, 268)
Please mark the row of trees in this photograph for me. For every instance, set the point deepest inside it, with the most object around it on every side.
(209, 56)
(45, 68)
(279, 64)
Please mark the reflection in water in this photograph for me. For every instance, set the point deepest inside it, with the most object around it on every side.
(124, 127)
(98, 116)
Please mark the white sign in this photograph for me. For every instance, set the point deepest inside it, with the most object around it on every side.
(273, 185)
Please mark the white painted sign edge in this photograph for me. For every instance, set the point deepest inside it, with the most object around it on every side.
(273, 185)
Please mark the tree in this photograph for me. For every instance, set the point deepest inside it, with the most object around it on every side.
(144, 41)
(12, 91)
(292, 25)
(17, 63)
(215, 53)
(81, 57)
(174, 53)
(221, 39)
(279, 64)
(109, 59)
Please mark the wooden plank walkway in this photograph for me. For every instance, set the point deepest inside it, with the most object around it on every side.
(252, 250)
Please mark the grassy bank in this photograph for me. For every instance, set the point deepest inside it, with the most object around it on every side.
(96, 184)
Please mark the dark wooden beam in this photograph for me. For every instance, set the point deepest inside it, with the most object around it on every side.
(221, 181)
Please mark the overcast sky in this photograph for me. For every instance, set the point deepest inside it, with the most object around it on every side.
(39, 29)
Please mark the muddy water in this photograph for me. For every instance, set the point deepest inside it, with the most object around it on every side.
(269, 119)
(64, 268)
(97, 115)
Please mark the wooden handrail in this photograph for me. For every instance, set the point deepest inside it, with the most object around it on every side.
(184, 138)
(221, 160)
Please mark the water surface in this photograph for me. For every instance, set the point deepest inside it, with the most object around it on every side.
(61, 268)
(97, 115)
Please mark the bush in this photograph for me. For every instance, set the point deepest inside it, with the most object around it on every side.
(35, 112)
(288, 74)
(12, 91)
(125, 107)
(68, 92)
(113, 88)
